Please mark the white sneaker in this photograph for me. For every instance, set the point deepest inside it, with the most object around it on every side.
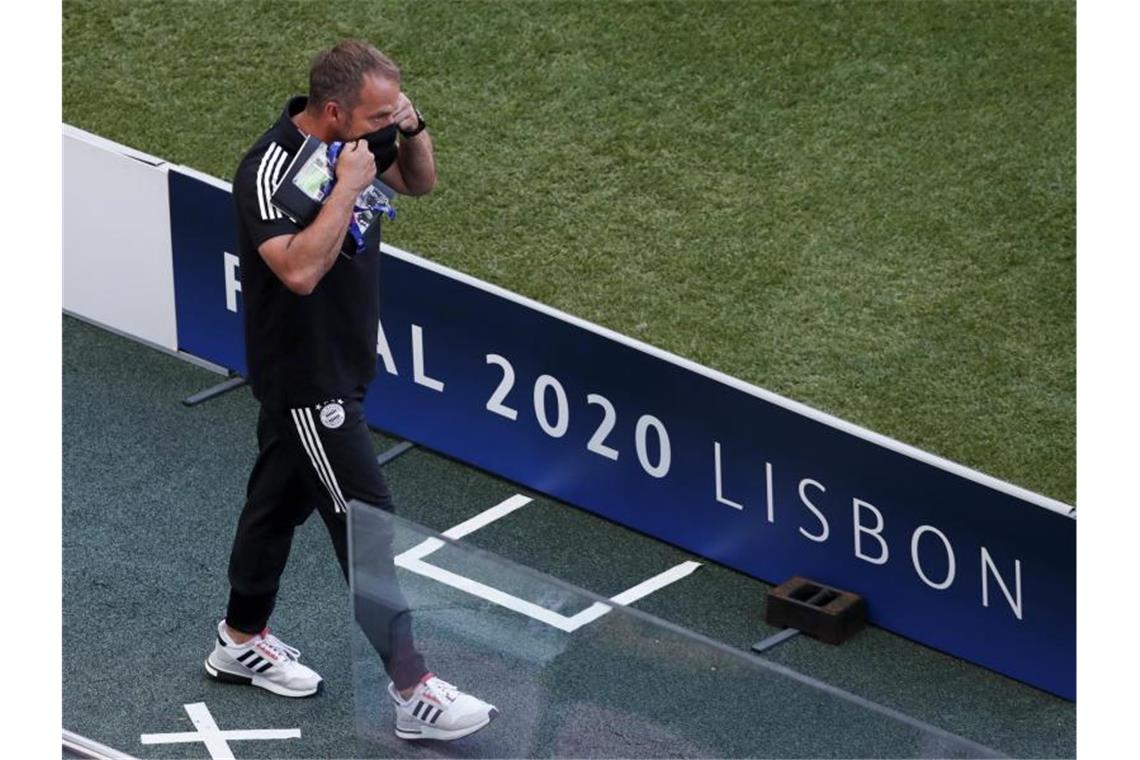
(264, 661)
(438, 710)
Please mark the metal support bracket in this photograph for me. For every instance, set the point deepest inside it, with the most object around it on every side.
(775, 640)
(400, 448)
(214, 391)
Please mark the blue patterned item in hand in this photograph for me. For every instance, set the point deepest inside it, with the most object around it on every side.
(375, 202)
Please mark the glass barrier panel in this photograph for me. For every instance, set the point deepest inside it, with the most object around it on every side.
(576, 675)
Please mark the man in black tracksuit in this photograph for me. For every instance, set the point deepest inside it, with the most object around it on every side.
(311, 304)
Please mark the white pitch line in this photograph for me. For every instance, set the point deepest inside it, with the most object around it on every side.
(249, 734)
(487, 517)
(214, 738)
(483, 591)
(413, 560)
(656, 583)
(419, 551)
(631, 595)
(187, 736)
(263, 733)
(484, 518)
(210, 733)
(586, 616)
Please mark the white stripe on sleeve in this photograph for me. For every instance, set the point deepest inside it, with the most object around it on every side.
(264, 176)
(261, 198)
(282, 157)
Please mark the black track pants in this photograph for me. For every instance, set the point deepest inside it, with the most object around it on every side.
(317, 457)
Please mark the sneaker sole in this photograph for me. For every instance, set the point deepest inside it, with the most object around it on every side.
(227, 677)
(439, 734)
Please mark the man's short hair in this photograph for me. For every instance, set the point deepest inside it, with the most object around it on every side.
(337, 73)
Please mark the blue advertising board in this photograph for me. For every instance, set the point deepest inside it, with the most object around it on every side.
(943, 555)
(207, 286)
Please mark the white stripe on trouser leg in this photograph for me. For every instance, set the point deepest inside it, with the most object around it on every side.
(310, 449)
(316, 452)
(338, 496)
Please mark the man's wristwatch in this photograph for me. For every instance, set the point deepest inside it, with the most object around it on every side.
(420, 127)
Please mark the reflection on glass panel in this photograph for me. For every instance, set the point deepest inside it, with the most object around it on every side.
(575, 676)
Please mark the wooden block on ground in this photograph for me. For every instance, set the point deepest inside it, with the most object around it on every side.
(822, 612)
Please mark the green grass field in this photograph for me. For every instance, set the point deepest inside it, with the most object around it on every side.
(866, 207)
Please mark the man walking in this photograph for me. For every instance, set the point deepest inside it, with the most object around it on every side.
(311, 302)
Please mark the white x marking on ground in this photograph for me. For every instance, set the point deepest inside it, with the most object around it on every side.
(216, 740)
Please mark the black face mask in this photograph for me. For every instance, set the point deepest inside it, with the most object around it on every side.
(381, 140)
(382, 143)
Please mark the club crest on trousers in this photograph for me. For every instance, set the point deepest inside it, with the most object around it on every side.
(332, 415)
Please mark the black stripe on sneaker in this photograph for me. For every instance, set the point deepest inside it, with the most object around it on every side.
(246, 656)
(255, 662)
(220, 641)
(416, 711)
(434, 718)
(265, 667)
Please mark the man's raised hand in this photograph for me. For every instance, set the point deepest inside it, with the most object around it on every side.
(355, 167)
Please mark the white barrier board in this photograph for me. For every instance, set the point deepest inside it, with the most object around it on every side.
(117, 268)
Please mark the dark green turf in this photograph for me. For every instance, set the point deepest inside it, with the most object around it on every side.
(151, 494)
(868, 207)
